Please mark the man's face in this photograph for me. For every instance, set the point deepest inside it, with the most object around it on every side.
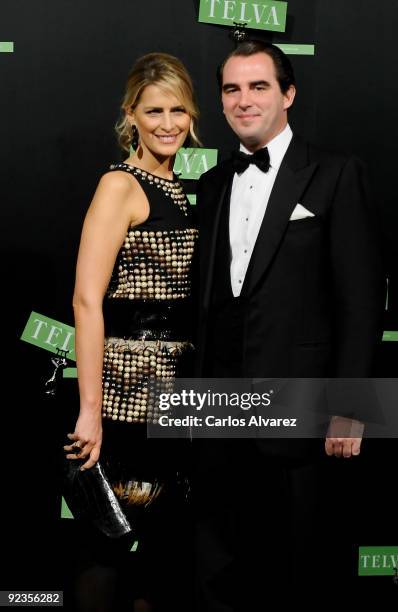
(254, 105)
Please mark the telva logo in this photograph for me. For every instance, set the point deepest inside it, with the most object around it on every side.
(254, 13)
(378, 561)
(50, 335)
(192, 163)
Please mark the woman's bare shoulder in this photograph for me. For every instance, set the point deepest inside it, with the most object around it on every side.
(118, 181)
(119, 192)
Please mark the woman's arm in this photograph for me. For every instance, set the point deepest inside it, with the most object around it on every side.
(117, 204)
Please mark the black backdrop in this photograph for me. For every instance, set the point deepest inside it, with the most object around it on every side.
(60, 94)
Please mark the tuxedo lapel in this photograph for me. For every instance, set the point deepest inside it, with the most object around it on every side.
(292, 179)
(210, 227)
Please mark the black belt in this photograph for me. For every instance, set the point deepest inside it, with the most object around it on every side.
(140, 320)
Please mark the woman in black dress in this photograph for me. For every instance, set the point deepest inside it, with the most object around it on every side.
(132, 305)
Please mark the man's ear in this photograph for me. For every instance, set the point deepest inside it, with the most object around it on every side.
(289, 96)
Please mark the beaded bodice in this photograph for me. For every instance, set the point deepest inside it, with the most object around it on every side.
(155, 258)
(147, 306)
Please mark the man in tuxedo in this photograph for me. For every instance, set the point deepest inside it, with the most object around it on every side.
(291, 286)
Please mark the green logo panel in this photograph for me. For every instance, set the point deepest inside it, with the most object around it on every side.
(6, 47)
(292, 49)
(70, 373)
(192, 163)
(50, 335)
(377, 560)
(255, 14)
(65, 510)
(390, 336)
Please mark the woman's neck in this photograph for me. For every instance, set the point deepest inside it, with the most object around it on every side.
(159, 167)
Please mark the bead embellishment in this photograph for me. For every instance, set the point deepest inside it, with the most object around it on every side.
(154, 265)
(134, 373)
(172, 189)
(137, 492)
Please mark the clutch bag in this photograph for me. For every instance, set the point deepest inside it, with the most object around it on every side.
(90, 497)
(88, 493)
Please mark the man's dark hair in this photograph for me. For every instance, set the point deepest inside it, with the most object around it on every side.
(283, 67)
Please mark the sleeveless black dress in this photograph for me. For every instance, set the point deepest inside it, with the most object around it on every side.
(148, 334)
(148, 316)
(147, 306)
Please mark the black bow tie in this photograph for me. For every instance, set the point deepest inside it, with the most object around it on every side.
(241, 161)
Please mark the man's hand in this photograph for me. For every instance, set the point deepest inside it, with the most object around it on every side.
(344, 437)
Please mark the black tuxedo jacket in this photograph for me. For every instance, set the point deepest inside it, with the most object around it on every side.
(314, 287)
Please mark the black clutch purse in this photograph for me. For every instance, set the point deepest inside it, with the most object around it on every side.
(88, 493)
(91, 498)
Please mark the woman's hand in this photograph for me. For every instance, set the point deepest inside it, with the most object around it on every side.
(87, 440)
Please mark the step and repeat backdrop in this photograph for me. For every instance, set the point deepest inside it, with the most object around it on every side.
(63, 67)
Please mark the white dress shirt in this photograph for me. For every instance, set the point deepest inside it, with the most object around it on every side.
(249, 199)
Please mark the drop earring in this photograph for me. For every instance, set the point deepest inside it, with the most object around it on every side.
(134, 137)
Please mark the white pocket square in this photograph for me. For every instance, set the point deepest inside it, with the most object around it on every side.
(300, 213)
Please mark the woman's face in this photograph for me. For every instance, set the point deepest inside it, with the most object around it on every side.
(162, 121)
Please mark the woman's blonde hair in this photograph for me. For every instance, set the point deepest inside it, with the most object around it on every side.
(167, 72)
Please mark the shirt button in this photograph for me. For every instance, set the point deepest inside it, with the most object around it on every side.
(251, 186)
(245, 251)
(247, 218)
(240, 282)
